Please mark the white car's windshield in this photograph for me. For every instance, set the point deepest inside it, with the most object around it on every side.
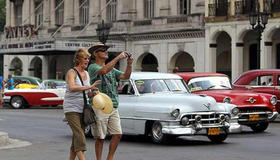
(160, 85)
(206, 83)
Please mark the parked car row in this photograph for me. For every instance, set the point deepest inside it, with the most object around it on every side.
(164, 106)
(32, 91)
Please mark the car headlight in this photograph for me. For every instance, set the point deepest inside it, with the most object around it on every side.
(175, 113)
(185, 121)
(222, 117)
(273, 100)
(197, 118)
(226, 100)
(235, 111)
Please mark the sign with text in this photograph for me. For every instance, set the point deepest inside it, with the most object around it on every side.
(27, 31)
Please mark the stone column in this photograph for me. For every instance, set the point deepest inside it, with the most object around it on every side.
(164, 8)
(94, 9)
(140, 10)
(267, 59)
(69, 12)
(236, 59)
(26, 12)
(164, 58)
(211, 58)
(45, 67)
(46, 13)
(77, 12)
(8, 13)
(25, 65)
(32, 12)
(52, 13)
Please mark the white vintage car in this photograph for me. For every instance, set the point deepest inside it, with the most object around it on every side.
(156, 105)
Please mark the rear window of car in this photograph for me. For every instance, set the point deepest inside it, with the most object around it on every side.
(263, 80)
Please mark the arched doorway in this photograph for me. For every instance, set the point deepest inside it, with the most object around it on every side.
(16, 66)
(253, 57)
(182, 62)
(250, 51)
(149, 63)
(278, 56)
(223, 57)
(36, 67)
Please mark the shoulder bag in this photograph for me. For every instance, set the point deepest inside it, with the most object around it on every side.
(88, 113)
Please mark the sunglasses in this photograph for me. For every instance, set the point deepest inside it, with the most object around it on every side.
(101, 50)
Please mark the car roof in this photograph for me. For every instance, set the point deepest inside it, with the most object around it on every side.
(153, 75)
(243, 78)
(190, 75)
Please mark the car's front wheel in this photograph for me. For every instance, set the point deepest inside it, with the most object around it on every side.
(260, 127)
(218, 138)
(156, 133)
(17, 102)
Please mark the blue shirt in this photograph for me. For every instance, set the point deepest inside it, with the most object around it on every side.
(1, 80)
(10, 84)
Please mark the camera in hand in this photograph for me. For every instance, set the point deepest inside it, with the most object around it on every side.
(128, 54)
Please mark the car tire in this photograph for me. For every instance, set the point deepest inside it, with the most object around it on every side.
(217, 138)
(260, 127)
(17, 102)
(156, 133)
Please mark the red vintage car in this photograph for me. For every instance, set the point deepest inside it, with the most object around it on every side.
(260, 81)
(256, 109)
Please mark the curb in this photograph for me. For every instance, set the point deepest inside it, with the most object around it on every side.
(4, 139)
(7, 143)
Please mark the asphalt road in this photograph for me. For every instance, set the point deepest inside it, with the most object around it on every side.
(51, 139)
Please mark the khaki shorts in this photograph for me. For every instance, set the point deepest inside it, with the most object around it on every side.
(77, 126)
(110, 123)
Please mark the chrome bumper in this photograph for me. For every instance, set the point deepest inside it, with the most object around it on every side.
(6, 99)
(193, 130)
(235, 128)
(272, 116)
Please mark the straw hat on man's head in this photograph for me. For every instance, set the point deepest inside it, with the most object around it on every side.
(97, 46)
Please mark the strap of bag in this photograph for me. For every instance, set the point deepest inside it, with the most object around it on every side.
(84, 93)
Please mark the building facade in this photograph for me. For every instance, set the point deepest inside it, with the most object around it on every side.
(230, 42)
(41, 36)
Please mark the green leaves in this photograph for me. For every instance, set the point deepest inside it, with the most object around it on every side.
(2, 15)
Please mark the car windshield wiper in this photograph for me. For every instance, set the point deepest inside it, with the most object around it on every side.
(176, 90)
(211, 87)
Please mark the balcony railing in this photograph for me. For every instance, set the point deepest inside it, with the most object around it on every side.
(244, 6)
(271, 5)
(218, 9)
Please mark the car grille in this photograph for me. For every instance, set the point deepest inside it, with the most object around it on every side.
(206, 118)
(253, 109)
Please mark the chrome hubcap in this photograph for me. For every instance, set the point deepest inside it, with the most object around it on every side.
(157, 131)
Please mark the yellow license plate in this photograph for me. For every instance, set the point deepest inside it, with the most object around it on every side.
(254, 117)
(213, 131)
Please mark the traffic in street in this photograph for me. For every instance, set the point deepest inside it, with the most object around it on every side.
(50, 138)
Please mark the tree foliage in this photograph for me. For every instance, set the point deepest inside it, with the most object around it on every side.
(2, 15)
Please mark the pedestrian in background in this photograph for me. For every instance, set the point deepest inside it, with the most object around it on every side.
(10, 82)
(74, 102)
(1, 90)
(109, 76)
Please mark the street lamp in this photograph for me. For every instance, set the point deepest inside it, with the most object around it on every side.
(258, 20)
(103, 30)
